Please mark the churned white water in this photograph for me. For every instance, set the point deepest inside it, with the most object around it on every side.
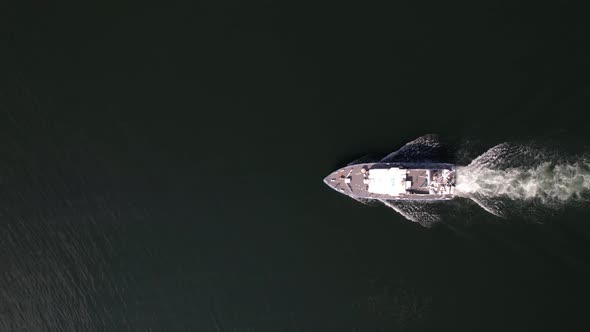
(548, 181)
(523, 175)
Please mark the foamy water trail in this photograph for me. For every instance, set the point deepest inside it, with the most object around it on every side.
(548, 182)
(523, 174)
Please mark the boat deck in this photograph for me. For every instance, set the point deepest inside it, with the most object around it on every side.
(422, 182)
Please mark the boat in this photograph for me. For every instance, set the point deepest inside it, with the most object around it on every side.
(386, 181)
(411, 180)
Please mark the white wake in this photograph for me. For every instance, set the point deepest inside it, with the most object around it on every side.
(507, 175)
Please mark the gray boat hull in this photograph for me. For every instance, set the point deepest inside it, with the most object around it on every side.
(395, 181)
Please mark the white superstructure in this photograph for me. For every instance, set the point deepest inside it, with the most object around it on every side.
(385, 181)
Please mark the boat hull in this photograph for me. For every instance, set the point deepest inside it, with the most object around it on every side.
(395, 181)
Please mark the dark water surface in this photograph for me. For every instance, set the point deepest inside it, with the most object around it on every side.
(161, 166)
